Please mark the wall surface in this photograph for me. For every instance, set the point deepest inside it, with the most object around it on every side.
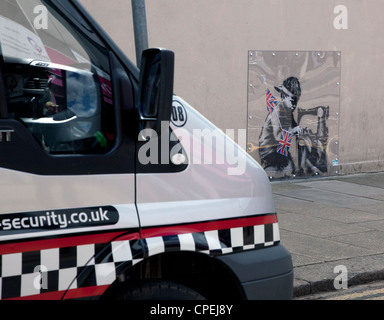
(212, 40)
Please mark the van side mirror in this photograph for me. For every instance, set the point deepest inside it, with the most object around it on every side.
(156, 87)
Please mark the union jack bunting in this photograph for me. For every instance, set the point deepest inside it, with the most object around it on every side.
(271, 101)
(284, 143)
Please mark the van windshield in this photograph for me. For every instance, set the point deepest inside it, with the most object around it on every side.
(28, 30)
(57, 77)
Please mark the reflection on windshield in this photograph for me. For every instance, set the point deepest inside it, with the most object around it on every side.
(81, 94)
(19, 38)
(57, 79)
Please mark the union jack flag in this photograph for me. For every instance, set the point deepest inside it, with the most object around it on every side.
(271, 101)
(284, 143)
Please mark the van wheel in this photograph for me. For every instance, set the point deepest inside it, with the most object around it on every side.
(159, 290)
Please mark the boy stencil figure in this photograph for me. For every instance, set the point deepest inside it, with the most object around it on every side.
(278, 120)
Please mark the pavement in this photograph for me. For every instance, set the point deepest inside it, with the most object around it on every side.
(331, 222)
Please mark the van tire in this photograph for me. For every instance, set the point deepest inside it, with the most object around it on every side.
(160, 290)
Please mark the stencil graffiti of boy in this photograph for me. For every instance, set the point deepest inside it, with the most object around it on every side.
(280, 126)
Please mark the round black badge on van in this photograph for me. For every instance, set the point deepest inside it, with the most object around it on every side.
(179, 114)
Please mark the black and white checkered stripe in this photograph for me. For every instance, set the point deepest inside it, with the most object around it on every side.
(217, 242)
(99, 264)
(63, 268)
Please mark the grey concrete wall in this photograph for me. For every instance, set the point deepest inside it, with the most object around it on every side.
(211, 39)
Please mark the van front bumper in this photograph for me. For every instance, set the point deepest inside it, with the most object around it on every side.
(264, 274)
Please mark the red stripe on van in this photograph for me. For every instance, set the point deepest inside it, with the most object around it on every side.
(63, 242)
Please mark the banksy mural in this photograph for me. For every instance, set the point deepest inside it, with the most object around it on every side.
(293, 112)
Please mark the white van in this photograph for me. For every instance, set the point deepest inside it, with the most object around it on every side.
(106, 191)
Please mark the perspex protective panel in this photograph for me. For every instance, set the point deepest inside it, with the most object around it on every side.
(293, 112)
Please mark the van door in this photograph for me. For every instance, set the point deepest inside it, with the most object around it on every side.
(66, 162)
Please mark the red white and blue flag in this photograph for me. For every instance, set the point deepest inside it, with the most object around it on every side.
(271, 101)
(284, 143)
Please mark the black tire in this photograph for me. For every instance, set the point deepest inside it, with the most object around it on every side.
(159, 290)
